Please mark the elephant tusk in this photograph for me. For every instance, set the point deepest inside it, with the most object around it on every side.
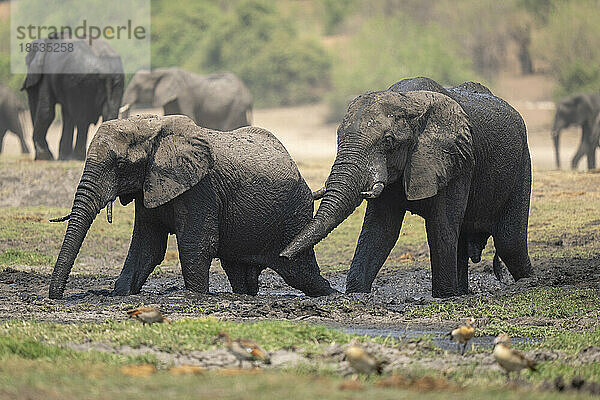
(109, 212)
(61, 219)
(375, 191)
(318, 193)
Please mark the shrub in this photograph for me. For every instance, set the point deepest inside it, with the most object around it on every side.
(569, 43)
(266, 52)
(386, 50)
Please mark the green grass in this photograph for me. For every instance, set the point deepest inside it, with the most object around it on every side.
(544, 313)
(182, 335)
(34, 363)
(21, 257)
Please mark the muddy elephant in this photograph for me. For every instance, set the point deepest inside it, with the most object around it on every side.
(87, 82)
(458, 157)
(233, 195)
(11, 108)
(578, 110)
(217, 101)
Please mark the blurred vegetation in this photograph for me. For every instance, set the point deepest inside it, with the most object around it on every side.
(570, 43)
(374, 58)
(291, 52)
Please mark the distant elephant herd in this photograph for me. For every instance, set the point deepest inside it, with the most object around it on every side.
(456, 156)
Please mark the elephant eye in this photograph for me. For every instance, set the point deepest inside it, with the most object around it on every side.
(370, 122)
(389, 140)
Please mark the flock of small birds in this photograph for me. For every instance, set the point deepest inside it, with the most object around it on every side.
(511, 360)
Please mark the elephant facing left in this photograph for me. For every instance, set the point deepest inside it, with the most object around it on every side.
(234, 195)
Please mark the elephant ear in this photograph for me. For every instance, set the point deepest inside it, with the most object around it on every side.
(35, 64)
(179, 159)
(443, 145)
(169, 86)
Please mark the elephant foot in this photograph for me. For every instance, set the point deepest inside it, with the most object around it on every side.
(44, 156)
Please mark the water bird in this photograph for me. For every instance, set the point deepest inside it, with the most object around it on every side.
(361, 361)
(244, 349)
(148, 315)
(510, 360)
(463, 334)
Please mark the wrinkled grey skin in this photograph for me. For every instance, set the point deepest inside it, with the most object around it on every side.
(216, 101)
(84, 97)
(579, 110)
(233, 195)
(457, 157)
(10, 109)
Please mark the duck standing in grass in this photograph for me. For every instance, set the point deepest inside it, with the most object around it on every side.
(244, 349)
(361, 361)
(148, 315)
(510, 360)
(463, 334)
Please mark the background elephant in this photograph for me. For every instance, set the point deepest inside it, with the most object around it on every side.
(55, 77)
(10, 111)
(236, 195)
(217, 101)
(580, 110)
(457, 157)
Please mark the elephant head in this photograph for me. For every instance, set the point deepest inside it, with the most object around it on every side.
(421, 138)
(144, 157)
(576, 110)
(157, 88)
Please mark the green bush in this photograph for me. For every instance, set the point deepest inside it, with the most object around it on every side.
(386, 50)
(266, 52)
(569, 43)
(179, 29)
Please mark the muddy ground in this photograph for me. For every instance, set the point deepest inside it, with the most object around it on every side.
(23, 289)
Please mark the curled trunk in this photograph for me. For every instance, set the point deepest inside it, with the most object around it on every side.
(340, 198)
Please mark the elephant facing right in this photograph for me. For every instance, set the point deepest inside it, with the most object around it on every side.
(457, 157)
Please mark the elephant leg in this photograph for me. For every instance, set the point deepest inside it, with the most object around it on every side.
(442, 224)
(66, 140)
(581, 150)
(303, 274)
(146, 251)
(243, 277)
(44, 115)
(196, 218)
(591, 156)
(81, 143)
(510, 234)
(462, 264)
(380, 230)
(2, 134)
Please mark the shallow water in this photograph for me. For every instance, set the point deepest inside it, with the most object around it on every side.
(439, 338)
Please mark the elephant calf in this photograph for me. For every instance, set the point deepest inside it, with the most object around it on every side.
(233, 195)
(10, 108)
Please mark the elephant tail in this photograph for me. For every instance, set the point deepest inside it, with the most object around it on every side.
(249, 116)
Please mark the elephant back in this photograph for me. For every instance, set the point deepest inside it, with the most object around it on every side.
(97, 58)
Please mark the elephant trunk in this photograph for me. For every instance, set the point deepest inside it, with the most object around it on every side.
(556, 142)
(340, 198)
(89, 200)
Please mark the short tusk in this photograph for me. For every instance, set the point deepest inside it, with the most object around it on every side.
(61, 219)
(109, 212)
(318, 193)
(375, 191)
